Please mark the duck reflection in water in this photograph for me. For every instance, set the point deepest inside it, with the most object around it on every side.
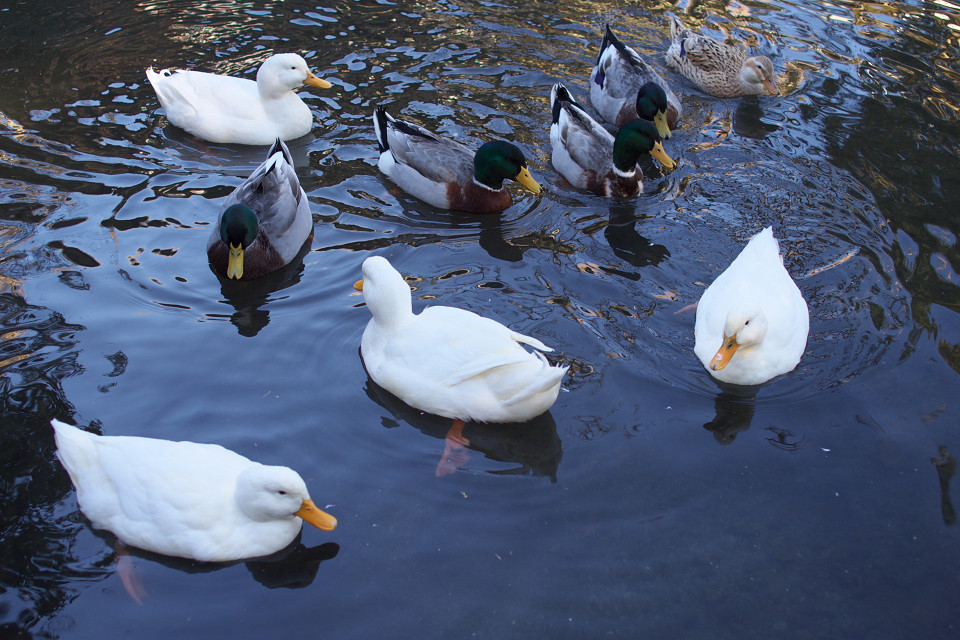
(293, 567)
(748, 120)
(734, 408)
(946, 464)
(534, 445)
(626, 242)
(249, 298)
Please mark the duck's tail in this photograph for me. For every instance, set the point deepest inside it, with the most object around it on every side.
(279, 147)
(548, 380)
(678, 32)
(75, 448)
(558, 95)
(609, 40)
(381, 120)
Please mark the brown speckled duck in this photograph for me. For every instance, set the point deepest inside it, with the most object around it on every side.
(720, 69)
(445, 173)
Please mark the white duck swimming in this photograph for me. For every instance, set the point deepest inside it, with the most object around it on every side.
(263, 223)
(185, 499)
(752, 321)
(235, 110)
(451, 362)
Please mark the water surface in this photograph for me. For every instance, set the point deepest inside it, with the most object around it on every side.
(648, 501)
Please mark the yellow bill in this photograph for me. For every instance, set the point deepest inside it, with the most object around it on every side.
(527, 180)
(661, 156)
(235, 262)
(315, 81)
(316, 516)
(358, 285)
(726, 351)
(662, 127)
(771, 87)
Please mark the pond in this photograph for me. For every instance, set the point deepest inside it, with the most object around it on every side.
(649, 501)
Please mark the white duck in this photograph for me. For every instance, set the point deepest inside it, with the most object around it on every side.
(235, 110)
(185, 499)
(752, 321)
(448, 361)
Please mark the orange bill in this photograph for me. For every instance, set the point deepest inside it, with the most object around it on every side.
(316, 516)
(727, 349)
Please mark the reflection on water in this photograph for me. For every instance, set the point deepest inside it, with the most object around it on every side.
(946, 465)
(38, 565)
(249, 299)
(734, 413)
(531, 448)
(106, 300)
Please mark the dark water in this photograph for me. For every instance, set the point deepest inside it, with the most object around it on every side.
(647, 502)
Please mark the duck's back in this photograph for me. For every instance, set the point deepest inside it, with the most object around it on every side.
(455, 363)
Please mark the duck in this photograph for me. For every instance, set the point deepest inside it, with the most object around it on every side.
(717, 68)
(752, 321)
(448, 361)
(590, 158)
(185, 499)
(623, 87)
(225, 109)
(445, 173)
(263, 223)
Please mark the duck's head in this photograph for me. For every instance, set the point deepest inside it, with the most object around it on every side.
(385, 292)
(266, 493)
(634, 139)
(652, 105)
(283, 72)
(743, 328)
(238, 230)
(497, 161)
(757, 72)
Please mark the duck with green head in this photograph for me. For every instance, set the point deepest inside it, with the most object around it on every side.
(263, 224)
(445, 173)
(623, 87)
(590, 158)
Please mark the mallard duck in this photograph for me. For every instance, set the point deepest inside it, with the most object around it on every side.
(185, 499)
(623, 87)
(752, 321)
(226, 109)
(451, 362)
(445, 173)
(589, 157)
(720, 69)
(265, 221)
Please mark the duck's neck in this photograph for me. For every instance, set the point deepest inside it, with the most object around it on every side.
(392, 310)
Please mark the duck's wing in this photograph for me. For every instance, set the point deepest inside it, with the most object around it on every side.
(205, 94)
(709, 55)
(436, 158)
(273, 191)
(586, 142)
(449, 345)
(624, 70)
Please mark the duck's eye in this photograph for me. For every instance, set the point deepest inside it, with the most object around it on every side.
(282, 492)
(746, 323)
